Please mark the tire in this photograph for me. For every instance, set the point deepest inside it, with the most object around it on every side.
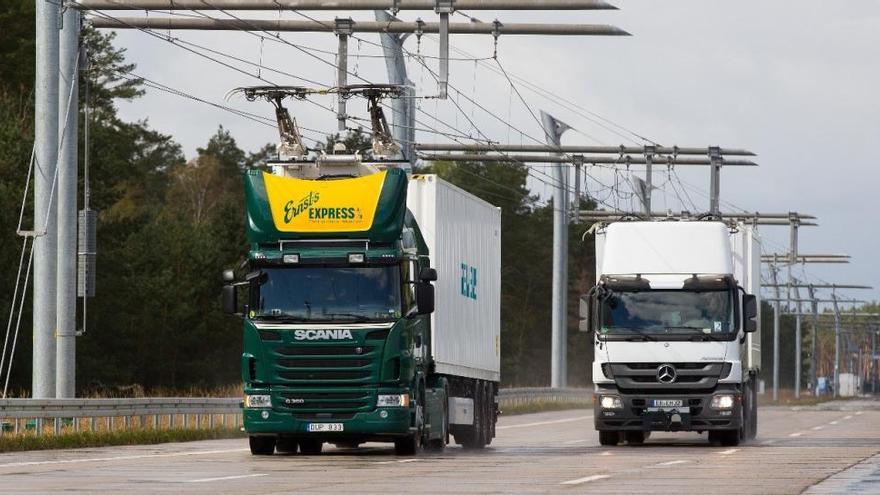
(634, 437)
(286, 446)
(310, 447)
(609, 437)
(262, 445)
(437, 445)
(411, 444)
(474, 437)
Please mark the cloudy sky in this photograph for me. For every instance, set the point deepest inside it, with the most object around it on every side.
(795, 82)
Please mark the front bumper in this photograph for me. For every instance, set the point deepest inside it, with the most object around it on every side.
(378, 423)
(695, 414)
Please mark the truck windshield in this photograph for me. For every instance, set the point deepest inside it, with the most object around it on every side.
(368, 293)
(654, 313)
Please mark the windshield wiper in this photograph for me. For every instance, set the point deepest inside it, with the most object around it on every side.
(283, 318)
(632, 335)
(353, 316)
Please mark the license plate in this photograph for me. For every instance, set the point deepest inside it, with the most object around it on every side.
(324, 427)
(668, 403)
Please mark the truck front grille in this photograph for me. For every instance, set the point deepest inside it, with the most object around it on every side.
(689, 377)
(314, 402)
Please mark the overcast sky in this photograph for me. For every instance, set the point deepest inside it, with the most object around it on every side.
(795, 82)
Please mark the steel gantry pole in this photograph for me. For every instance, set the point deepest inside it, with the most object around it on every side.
(814, 347)
(68, 113)
(343, 31)
(794, 221)
(403, 126)
(836, 383)
(553, 130)
(773, 268)
(649, 162)
(46, 157)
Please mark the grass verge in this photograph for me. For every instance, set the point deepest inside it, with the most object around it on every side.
(74, 440)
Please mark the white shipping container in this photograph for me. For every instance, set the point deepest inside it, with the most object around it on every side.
(745, 244)
(463, 234)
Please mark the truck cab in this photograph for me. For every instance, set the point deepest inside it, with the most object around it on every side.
(673, 321)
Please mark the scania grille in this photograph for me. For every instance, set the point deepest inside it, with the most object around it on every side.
(333, 364)
(313, 401)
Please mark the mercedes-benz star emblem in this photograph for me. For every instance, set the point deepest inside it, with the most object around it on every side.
(666, 373)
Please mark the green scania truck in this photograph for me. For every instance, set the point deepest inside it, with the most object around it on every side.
(371, 309)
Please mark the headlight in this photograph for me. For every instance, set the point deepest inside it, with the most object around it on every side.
(397, 400)
(251, 401)
(611, 402)
(722, 402)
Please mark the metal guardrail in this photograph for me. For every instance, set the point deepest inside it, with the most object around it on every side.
(18, 415)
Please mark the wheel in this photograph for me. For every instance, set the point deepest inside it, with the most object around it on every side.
(438, 444)
(608, 437)
(411, 444)
(634, 437)
(286, 446)
(487, 413)
(473, 437)
(262, 445)
(310, 446)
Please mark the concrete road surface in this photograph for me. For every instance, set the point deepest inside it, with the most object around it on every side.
(829, 449)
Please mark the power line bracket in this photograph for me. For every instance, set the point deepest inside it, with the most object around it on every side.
(444, 8)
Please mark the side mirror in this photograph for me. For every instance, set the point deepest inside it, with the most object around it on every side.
(750, 313)
(230, 300)
(586, 322)
(228, 276)
(425, 298)
(428, 275)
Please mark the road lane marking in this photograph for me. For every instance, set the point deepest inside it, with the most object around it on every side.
(768, 442)
(224, 478)
(401, 461)
(542, 423)
(833, 423)
(585, 479)
(121, 458)
(670, 463)
(607, 452)
(571, 442)
(859, 413)
(796, 434)
(727, 452)
(848, 417)
(817, 428)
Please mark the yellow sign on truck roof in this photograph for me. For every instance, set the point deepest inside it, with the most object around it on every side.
(343, 205)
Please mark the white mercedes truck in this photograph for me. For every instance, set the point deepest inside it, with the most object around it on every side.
(675, 324)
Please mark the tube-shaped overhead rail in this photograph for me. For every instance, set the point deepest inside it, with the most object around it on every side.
(733, 215)
(807, 258)
(821, 286)
(394, 27)
(539, 148)
(392, 5)
(587, 159)
(839, 301)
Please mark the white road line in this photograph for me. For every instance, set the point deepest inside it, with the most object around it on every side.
(224, 478)
(670, 463)
(847, 417)
(586, 479)
(796, 434)
(768, 442)
(607, 452)
(542, 423)
(859, 413)
(401, 461)
(121, 458)
(833, 423)
(727, 452)
(817, 428)
(571, 442)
